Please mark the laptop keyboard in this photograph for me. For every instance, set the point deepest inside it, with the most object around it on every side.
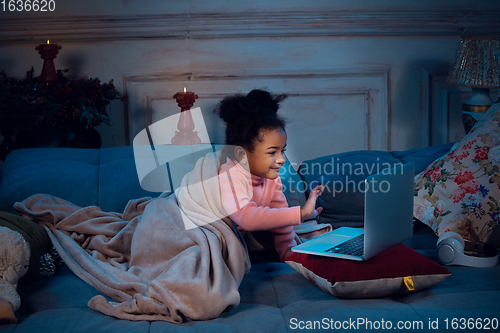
(352, 247)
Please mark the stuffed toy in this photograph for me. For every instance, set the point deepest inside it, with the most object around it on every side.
(14, 262)
(22, 241)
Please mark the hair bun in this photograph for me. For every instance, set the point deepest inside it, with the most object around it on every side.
(257, 103)
(226, 108)
(264, 101)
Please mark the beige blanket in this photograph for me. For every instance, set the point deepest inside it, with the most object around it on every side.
(159, 259)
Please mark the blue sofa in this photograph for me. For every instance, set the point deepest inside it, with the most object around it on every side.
(274, 297)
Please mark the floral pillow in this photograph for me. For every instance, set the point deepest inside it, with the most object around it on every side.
(461, 191)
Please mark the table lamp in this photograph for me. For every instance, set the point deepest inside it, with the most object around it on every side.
(476, 65)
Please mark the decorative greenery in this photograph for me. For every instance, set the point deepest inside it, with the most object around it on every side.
(63, 103)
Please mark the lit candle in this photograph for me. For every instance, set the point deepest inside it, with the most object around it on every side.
(186, 99)
(48, 41)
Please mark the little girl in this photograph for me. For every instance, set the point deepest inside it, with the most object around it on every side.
(249, 179)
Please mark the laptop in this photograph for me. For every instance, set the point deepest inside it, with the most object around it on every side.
(388, 219)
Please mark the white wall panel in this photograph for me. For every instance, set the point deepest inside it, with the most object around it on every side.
(327, 113)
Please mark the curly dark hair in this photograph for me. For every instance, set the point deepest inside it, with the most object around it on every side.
(246, 116)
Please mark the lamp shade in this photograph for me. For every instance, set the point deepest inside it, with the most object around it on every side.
(476, 63)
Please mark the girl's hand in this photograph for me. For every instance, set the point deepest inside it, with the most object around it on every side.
(308, 211)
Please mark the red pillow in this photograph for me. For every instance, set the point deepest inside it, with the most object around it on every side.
(398, 270)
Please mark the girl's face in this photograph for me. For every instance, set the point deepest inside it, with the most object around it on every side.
(268, 155)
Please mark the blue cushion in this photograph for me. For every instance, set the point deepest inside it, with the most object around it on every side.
(422, 157)
(68, 173)
(118, 179)
(343, 176)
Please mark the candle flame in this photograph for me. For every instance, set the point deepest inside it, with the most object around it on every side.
(184, 89)
(48, 41)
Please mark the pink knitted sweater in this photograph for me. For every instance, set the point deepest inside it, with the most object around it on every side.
(256, 203)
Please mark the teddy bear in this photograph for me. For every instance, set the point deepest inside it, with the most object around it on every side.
(14, 262)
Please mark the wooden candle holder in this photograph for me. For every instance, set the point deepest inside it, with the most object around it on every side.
(186, 134)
